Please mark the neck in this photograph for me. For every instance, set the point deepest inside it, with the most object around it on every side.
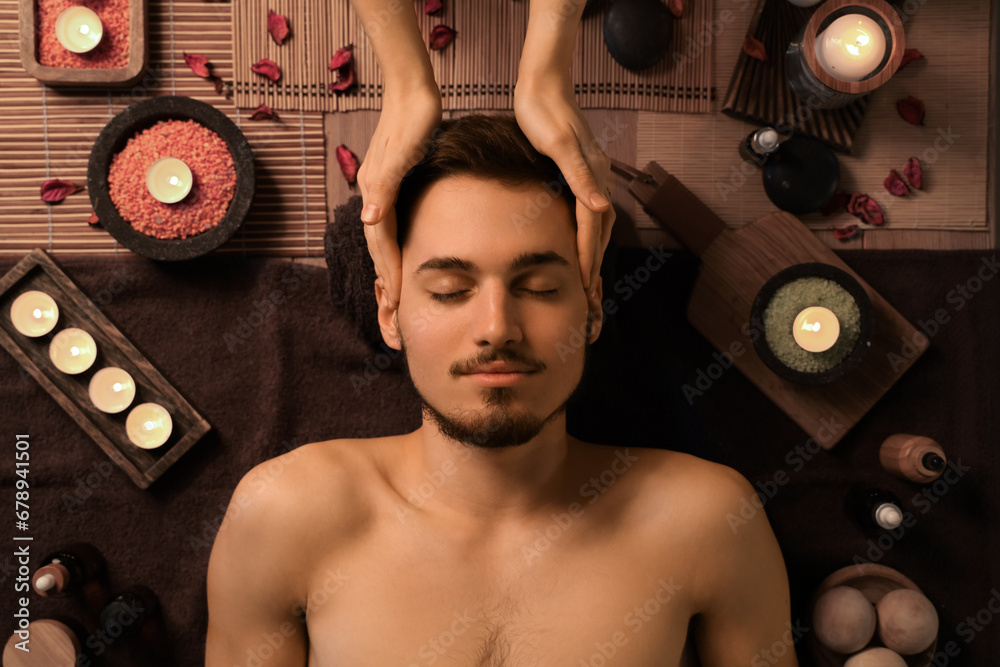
(488, 486)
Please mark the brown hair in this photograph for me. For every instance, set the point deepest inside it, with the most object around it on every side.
(488, 147)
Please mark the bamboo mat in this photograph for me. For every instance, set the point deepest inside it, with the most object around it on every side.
(477, 70)
(953, 81)
(49, 132)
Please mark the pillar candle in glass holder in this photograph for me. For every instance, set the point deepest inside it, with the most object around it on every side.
(851, 48)
(169, 180)
(816, 329)
(34, 313)
(73, 351)
(79, 29)
(111, 390)
(148, 425)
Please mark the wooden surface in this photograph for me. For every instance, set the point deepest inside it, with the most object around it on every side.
(38, 271)
(51, 643)
(734, 266)
(138, 52)
(477, 70)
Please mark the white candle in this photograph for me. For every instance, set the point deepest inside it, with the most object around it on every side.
(111, 390)
(34, 313)
(148, 425)
(816, 329)
(73, 351)
(79, 29)
(851, 48)
(169, 180)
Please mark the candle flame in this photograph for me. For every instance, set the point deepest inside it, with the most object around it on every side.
(84, 29)
(37, 313)
(175, 181)
(117, 386)
(149, 425)
(74, 350)
(810, 327)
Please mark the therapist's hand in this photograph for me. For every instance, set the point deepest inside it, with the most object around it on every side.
(408, 119)
(548, 114)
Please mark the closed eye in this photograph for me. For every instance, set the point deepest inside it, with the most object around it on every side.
(454, 295)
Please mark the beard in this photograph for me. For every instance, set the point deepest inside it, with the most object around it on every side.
(498, 424)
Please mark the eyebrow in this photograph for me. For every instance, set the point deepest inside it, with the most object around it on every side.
(523, 261)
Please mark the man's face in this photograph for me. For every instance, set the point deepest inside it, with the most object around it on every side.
(462, 305)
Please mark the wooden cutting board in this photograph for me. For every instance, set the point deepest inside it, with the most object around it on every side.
(735, 264)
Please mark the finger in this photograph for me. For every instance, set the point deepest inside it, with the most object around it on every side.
(392, 256)
(607, 224)
(588, 235)
(577, 170)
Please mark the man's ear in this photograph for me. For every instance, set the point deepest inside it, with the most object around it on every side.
(388, 317)
(596, 309)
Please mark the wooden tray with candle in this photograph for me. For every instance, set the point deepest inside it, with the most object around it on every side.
(39, 272)
(132, 71)
(735, 264)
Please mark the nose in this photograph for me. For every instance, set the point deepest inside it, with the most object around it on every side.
(497, 317)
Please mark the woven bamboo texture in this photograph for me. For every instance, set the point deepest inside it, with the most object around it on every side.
(48, 133)
(954, 143)
(477, 70)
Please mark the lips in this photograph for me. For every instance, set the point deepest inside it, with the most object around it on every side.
(501, 367)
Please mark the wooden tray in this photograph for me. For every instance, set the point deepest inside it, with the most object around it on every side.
(735, 264)
(138, 53)
(759, 92)
(39, 271)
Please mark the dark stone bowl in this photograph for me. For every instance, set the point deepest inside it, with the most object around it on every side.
(801, 176)
(141, 116)
(818, 270)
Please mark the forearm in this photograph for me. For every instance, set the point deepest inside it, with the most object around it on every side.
(391, 26)
(551, 36)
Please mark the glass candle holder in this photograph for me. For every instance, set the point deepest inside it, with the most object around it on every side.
(73, 351)
(34, 313)
(846, 50)
(79, 29)
(111, 390)
(148, 425)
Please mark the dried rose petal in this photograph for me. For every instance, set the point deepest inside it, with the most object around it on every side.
(432, 6)
(908, 56)
(844, 233)
(348, 162)
(343, 57)
(914, 173)
(873, 212)
(911, 109)
(441, 37)
(837, 203)
(754, 48)
(344, 81)
(55, 190)
(199, 64)
(267, 68)
(220, 86)
(263, 112)
(277, 26)
(895, 185)
(856, 204)
(93, 220)
(676, 7)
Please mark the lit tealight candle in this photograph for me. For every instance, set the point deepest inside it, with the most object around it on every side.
(34, 313)
(73, 351)
(111, 390)
(79, 29)
(169, 180)
(851, 48)
(148, 425)
(816, 329)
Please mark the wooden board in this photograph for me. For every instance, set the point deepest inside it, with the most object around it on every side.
(476, 71)
(138, 52)
(735, 265)
(39, 271)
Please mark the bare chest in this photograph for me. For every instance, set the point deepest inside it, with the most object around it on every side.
(576, 601)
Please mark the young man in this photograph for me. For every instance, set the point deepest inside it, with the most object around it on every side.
(489, 535)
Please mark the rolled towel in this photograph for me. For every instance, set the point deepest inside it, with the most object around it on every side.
(352, 273)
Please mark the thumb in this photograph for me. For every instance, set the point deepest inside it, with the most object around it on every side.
(581, 181)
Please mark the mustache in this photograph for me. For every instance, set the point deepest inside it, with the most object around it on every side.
(498, 355)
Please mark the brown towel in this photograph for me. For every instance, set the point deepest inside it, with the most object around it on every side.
(352, 273)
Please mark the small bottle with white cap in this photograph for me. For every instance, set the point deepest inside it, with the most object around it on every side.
(880, 510)
(760, 144)
(67, 570)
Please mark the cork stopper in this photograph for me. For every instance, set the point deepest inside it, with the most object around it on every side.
(51, 580)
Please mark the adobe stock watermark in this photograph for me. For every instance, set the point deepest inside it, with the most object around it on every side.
(959, 296)
(291, 281)
(635, 620)
(789, 638)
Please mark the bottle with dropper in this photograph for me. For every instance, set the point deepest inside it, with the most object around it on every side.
(67, 570)
(877, 509)
(760, 144)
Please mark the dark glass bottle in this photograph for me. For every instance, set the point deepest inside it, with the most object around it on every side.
(67, 570)
(878, 509)
(128, 611)
(759, 144)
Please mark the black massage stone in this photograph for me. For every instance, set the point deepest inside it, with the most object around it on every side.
(638, 33)
(801, 176)
(145, 114)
